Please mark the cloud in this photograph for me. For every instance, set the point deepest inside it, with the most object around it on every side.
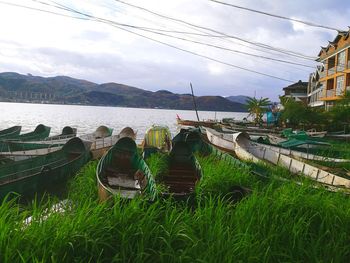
(48, 45)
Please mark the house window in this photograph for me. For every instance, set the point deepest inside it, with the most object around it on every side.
(331, 62)
(340, 86)
(330, 84)
(347, 79)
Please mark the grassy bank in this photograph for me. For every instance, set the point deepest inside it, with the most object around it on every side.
(277, 222)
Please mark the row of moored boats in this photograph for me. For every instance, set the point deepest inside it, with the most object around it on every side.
(34, 161)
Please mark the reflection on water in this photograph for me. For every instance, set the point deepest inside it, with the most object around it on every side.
(87, 118)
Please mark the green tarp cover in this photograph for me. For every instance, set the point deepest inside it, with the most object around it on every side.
(295, 142)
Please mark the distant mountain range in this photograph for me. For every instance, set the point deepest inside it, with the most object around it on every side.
(239, 99)
(66, 90)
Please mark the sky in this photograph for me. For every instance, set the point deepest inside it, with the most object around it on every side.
(101, 51)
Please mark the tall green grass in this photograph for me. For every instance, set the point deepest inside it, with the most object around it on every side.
(278, 222)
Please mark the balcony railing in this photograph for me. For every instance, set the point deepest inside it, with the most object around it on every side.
(323, 74)
(330, 93)
(331, 71)
(349, 64)
(347, 89)
(298, 94)
(340, 68)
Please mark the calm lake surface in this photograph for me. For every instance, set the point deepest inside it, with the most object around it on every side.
(87, 118)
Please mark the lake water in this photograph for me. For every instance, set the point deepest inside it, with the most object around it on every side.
(87, 118)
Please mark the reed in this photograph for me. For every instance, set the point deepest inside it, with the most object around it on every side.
(278, 222)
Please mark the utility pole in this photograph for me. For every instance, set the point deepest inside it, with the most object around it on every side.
(194, 102)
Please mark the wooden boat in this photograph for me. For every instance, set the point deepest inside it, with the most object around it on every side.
(17, 151)
(101, 140)
(307, 150)
(128, 132)
(307, 155)
(29, 176)
(196, 140)
(208, 123)
(183, 172)
(303, 135)
(317, 134)
(67, 133)
(21, 150)
(251, 130)
(41, 132)
(10, 132)
(122, 171)
(157, 138)
(248, 151)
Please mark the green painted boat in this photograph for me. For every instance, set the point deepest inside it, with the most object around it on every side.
(183, 172)
(41, 132)
(10, 132)
(196, 139)
(67, 133)
(28, 148)
(40, 173)
(122, 171)
(51, 143)
(20, 150)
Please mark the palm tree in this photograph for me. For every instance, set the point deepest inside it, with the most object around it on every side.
(257, 108)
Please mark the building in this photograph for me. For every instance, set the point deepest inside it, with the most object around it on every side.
(297, 91)
(331, 79)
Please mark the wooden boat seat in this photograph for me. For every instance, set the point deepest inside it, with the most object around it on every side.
(180, 189)
(180, 180)
(124, 179)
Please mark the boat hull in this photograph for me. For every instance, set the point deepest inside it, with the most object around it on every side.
(43, 173)
(10, 132)
(248, 151)
(121, 171)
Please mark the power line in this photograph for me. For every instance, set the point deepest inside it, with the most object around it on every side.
(231, 50)
(289, 52)
(96, 19)
(40, 10)
(209, 58)
(106, 21)
(156, 29)
(277, 16)
(180, 38)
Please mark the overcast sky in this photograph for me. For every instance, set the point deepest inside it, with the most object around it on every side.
(49, 45)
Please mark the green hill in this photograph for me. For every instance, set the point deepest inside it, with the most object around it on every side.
(65, 90)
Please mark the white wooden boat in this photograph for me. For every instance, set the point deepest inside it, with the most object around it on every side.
(314, 133)
(101, 145)
(250, 151)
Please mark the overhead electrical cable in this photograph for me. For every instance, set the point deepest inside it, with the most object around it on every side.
(57, 5)
(109, 22)
(41, 10)
(266, 46)
(189, 40)
(277, 16)
(231, 50)
(184, 39)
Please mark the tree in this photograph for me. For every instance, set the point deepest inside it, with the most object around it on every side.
(339, 114)
(257, 108)
(296, 113)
